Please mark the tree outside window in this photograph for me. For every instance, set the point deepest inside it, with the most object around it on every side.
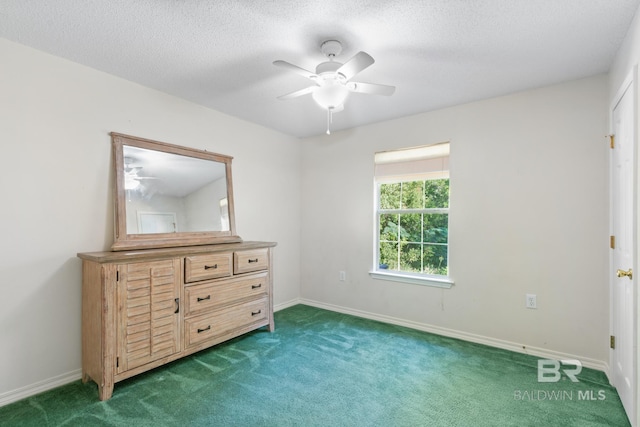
(413, 226)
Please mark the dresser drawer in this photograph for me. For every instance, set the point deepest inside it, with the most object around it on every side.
(247, 261)
(210, 326)
(203, 267)
(199, 298)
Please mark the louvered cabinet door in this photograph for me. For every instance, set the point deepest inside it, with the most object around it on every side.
(148, 319)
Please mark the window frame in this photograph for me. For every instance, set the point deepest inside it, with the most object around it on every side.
(435, 280)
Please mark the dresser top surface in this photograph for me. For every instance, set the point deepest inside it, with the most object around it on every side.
(142, 254)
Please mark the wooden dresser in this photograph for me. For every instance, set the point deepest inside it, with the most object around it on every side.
(142, 309)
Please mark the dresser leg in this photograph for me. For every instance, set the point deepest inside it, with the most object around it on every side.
(105, 391)
(272, 325)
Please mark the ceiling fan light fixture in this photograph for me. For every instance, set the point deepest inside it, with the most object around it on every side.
(331, 95)
(130, 182)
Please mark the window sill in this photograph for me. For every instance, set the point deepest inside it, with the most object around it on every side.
(438, 282)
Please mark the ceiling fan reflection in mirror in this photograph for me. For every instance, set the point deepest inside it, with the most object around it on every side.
(133, 181)
(332, 79)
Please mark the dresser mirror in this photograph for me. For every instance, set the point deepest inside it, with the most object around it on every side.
(168, 195)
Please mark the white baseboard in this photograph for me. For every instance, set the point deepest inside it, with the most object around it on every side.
(479, 339)
(48, 384)
(35, 388)
(283, 305)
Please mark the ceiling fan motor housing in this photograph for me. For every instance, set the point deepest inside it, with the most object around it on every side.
(328, 67)
(331, 92)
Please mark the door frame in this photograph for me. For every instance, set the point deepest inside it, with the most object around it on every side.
(629, 83)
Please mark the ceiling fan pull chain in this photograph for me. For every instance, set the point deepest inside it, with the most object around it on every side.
(329, 117)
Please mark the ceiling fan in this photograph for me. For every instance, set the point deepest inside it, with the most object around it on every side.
(332, 79)
(131, 177)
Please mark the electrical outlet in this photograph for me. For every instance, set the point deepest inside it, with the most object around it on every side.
(343, 276)
(531, 301)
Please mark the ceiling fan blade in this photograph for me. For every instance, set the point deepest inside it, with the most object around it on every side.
(288, 66)
(359, 62)
(371, 88)
(297, 93)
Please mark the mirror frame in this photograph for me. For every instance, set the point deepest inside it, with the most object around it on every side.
(125, 241)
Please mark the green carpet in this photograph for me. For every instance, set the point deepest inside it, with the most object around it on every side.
(321, 368)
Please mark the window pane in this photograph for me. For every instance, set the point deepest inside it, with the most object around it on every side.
(435, 259)
(413, 195)
(436, 193)
(436, 228)
(390, 196)
(411, 227)
(411, 257)
(388, 255)
(389, 227)
(414, 242)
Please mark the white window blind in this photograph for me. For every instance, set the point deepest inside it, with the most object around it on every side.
(413, 164)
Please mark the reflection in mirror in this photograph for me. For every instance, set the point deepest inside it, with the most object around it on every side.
(168, 195)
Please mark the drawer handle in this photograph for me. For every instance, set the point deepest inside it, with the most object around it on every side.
(205, 298)
(207, 267)
(256, 286)
(255, 313)
(205, 329)
(253, 260)
(177, 300)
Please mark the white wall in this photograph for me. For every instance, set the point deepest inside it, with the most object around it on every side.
(202, 206)
(56, 183)
(529, 195)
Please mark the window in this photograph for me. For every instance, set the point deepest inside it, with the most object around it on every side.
(412, 215)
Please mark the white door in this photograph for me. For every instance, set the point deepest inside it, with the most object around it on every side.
(622, 261)
(156, 222)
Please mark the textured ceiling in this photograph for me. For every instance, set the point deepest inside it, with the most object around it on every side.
(219, 53)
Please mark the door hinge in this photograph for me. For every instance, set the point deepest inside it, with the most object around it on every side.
(612, 342)
(612, 242)
(612, 141)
